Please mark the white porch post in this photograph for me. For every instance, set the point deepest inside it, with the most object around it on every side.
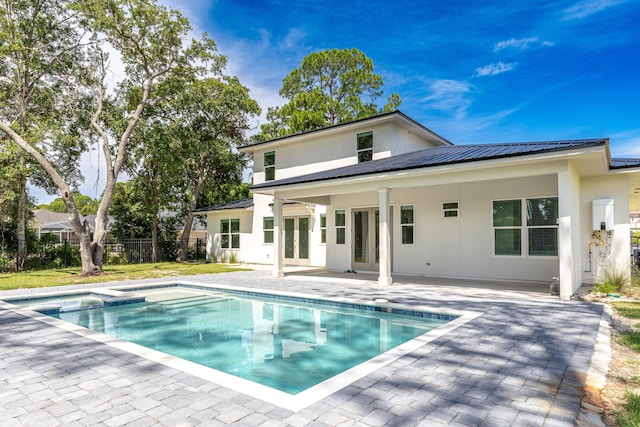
(385, 237)
(278, 255)
(569, 232)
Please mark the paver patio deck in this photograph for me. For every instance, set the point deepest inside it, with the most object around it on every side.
(522, 362)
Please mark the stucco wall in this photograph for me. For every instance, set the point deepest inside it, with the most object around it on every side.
(616, 253)
(252, 246)
(337, 150)
(451, 247)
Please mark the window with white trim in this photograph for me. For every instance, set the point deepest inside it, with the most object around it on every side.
(323, 228)
(230, 233)
(534, 221)
(542, 226)
(267, 229)
(450, 209)
(341, 226)
(364, 147)
(406, 224)
(269, 165)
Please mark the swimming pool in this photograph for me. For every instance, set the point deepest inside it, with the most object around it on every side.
(287, 343)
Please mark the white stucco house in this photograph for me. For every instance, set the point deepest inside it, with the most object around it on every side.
(387, 195)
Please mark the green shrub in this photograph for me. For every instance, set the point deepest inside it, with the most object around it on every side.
(605, 288)
(233, 258)
(614, 279)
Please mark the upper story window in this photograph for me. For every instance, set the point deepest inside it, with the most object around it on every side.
(270, 166)
(365, 146)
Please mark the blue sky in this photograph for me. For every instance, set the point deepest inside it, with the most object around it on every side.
(473, 72)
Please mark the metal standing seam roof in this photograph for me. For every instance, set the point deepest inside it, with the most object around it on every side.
(236, 204)
(438, 156)
(625, 163)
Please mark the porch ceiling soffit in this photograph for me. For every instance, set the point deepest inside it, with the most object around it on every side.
(634, 188)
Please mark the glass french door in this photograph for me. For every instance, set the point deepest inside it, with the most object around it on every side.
(296, 240)
(366, 239)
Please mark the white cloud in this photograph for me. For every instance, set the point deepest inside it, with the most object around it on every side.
(495, 68)
(447, 95)
(586, 8)
(515, 43)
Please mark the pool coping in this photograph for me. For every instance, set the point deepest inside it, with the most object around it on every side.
(276, 397)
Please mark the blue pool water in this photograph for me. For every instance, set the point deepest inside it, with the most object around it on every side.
(287, 345)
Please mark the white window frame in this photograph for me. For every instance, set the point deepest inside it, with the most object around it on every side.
(230, 234)
(524, 229)
(267, 230)
(342, 228)
(448, 209)
(269, 166)
(323, 228)
(366, 149)
(404, 225)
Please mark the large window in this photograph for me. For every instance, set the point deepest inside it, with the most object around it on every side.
(270, 166)
(341, 226)
(230, 233)
(539, 226)
(406, 223)
(542, 226)
(267, 229)
(365, 146)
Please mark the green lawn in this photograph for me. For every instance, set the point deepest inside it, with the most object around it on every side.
(630, 309)
(630, 415)
(71, 276)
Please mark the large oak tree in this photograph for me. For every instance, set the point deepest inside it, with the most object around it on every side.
(56, 62)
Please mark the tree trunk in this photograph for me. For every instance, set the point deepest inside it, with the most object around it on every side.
(82, 229)
(188, 221)
(102, 218)
(154, 239)
(21, 252)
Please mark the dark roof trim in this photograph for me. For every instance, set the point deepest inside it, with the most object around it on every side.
(625, 163)
(438, 156)
(236, 204)
(339, 125)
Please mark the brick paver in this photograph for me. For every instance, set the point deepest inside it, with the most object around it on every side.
(522, 362)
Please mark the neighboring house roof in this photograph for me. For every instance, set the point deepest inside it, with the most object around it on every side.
(624, 163)
(45, 216)
(236, 204)
(438, 156)
(395, 116)
(55, 222)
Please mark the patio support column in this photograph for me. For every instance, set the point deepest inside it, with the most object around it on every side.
(278, 229)
(570, 265)
(385, 237)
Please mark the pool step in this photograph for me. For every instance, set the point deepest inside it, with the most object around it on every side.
(191, 301)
